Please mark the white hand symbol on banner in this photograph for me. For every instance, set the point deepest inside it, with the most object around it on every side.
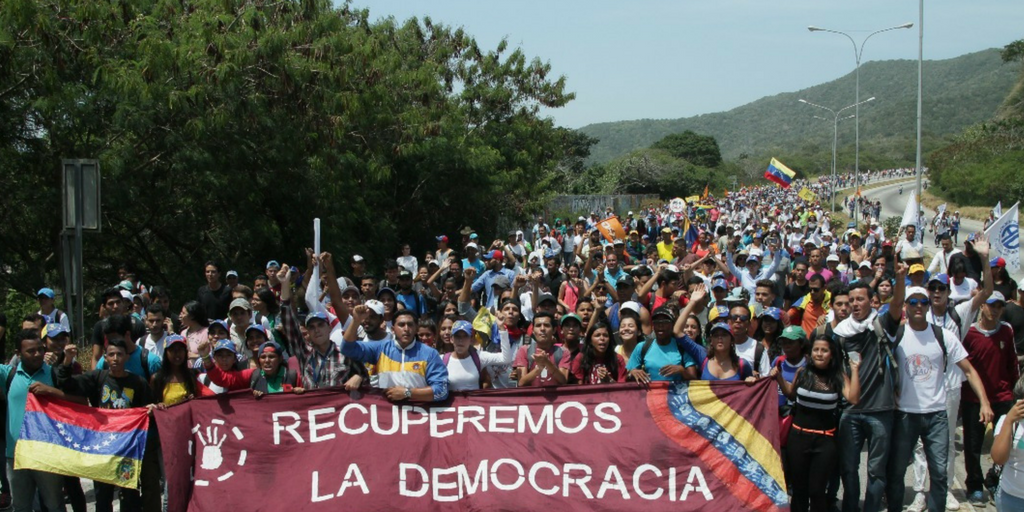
(212, 458)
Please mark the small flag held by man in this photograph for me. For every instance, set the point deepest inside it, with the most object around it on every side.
(105, 445)
(779, 173)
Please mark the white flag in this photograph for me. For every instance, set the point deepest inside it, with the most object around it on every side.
(1004, 239)
(910, 213)
(940, 210)
(998, 210)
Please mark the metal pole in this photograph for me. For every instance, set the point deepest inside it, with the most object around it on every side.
(77, 266)
(835, 138)
(856, 125)
(920, 60)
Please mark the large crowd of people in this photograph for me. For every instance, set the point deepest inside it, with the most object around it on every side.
(870, 344)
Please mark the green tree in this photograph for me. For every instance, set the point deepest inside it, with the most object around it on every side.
(224, 128)
(697, 149)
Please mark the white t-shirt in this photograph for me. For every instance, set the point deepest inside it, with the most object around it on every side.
(961, 292)
(462, 374)
(408, 263)
(954, 375)
(747, 350)
(1012, 479)
(904, 247)
(922, 377)
(151, 344)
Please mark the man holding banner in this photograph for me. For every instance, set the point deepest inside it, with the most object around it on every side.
(30, 371)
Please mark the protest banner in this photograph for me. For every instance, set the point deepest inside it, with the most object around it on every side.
(611, 228)
(677, 205)
(700, 445)
(1004, 239)
(806, 194)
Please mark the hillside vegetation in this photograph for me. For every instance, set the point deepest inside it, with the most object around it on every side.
(985, 163)
(959, 92)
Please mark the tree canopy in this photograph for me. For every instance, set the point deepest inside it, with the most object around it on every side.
(224, 127)
(697, 149)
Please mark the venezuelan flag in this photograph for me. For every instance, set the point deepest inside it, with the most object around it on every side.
(105, 445)
(690, 233)
(733, 428)
(779, 173)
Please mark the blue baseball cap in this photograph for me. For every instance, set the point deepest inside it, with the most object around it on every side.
(54, 330)
(386, 289)
(463, 327)
(720, 325)
(942, 278)
(319, 315)
(774, 313)
(174, 339)
(220, 323)
(719, 283)
(273, 263)
(996, 296)
(258, 328)
(225, 345)
(46, 292)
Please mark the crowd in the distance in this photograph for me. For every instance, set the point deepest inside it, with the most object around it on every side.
(867, 345)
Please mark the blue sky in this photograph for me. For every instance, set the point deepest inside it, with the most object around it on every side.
(678, 58)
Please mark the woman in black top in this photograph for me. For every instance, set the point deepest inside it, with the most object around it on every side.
(812, 449)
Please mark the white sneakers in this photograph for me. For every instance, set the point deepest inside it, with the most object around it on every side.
(920, 503)
(951, 502)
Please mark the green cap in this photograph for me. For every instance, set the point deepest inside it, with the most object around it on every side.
(571, 316)
(794, 332)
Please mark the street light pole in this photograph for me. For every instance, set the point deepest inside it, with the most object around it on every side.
(835, 139)
(835, 135)
(920, 59)
(857, 53)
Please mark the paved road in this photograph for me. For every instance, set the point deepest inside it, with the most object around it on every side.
(894, 203)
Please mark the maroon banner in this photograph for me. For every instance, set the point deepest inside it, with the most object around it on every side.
(693, 446)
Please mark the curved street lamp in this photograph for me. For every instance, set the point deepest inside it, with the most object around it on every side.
(858, 51)
(835, 135)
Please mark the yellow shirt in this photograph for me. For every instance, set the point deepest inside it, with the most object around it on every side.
(174, 392)
(665, 250)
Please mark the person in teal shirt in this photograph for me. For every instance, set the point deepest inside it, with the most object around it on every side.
(31, 369)
(659, 357)
(120, 326)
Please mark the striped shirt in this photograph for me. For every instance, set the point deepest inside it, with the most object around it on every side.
(817, 399)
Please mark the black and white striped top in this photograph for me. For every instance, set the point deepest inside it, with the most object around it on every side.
(818, 400)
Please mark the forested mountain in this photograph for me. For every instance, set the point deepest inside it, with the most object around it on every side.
(958, 92)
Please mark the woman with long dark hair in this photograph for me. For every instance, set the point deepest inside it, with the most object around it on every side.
(811, 448)
(194, 323)
(176, 381)
(597, 362)
(768, 330)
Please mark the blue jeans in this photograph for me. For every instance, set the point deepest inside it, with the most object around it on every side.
(854, 429)
(1005, 501)
(933, 431)
(25, 483)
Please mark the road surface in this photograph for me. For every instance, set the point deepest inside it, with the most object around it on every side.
(894, 203)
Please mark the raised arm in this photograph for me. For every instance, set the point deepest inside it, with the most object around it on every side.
(732, 266)
(981, 246)
(898, 293)
(333, 290)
